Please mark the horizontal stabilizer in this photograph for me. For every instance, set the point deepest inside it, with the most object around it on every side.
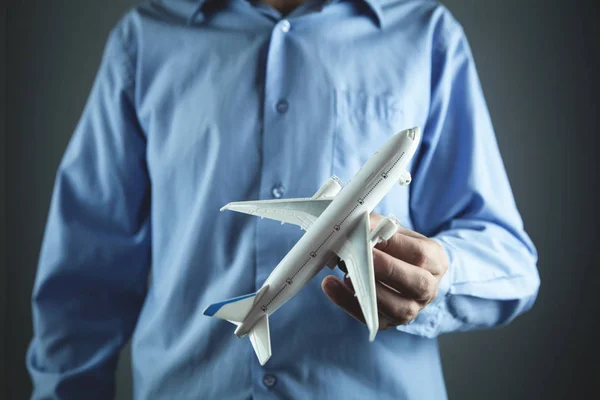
(261, 339)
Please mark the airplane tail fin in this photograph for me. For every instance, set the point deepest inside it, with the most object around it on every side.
(261, 339)
(236, 310)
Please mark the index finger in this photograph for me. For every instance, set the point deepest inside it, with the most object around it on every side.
(405, 247)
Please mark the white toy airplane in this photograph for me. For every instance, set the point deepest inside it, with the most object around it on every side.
(337, 224)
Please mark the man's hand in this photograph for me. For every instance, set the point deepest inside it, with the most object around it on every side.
(408, 270)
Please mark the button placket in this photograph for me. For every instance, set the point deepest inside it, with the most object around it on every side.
(276, 108)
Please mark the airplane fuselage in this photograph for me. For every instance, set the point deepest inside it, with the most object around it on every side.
(329, 231)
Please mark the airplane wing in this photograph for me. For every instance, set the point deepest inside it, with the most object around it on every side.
(301, 212)
(357, 254)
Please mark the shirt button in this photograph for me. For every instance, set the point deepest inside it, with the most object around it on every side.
(285, 25)
(278, 191)
(282, 106)
(269, 381)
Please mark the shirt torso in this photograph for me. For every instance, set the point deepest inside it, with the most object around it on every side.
(239, 104)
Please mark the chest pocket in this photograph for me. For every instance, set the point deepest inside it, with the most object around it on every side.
(363, 122)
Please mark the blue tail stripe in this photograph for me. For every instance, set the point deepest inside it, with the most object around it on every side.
(213, 308)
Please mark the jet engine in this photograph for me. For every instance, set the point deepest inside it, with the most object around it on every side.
(329, 189)
(405, 178)
(385, 229)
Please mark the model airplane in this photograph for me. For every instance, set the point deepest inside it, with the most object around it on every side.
(336, 221)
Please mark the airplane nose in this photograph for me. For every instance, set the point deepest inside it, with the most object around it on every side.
(414, 133)
(396, 141)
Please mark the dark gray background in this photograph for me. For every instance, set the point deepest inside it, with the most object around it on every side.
(3, 282)
(539, 65)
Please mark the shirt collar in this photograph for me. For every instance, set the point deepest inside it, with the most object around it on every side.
(374, 7)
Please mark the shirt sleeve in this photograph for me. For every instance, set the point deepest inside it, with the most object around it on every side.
(93, 267)
(461, 197)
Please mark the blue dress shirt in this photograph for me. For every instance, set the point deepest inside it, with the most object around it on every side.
(198, 104)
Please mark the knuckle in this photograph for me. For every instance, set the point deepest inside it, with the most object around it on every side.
(432, 297)
(398, 313)
(420, 254)
(425, 287)
(404, 313)
(411, 312)
(442, 257)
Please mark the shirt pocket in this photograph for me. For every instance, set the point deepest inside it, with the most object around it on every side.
(363, 122)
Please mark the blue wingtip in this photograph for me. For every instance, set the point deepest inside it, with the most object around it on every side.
(214, 308)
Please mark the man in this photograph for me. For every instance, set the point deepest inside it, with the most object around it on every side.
(197, 104)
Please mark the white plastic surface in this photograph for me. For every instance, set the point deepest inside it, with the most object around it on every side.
(330, 188)
(384, 230)
(338, 225)
(405, 178)
(356, 253)
(301, 212)
(261, 339)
